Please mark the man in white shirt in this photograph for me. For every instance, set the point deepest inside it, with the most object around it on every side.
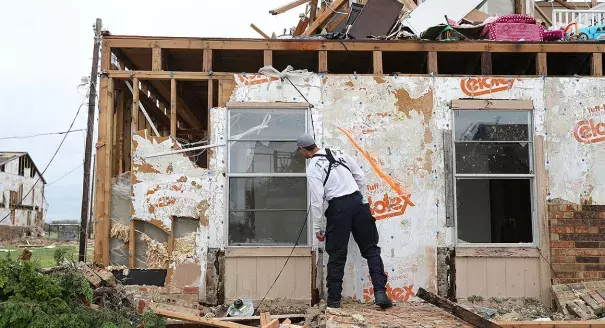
(335, 177)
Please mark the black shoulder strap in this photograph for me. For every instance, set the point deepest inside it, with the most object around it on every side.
(332, 161)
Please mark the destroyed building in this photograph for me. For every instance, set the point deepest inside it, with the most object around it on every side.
(21, 196)
(483, 160)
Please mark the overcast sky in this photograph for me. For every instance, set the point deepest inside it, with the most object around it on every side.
(47, 49)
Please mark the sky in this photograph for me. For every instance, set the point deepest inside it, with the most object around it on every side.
(47, 50)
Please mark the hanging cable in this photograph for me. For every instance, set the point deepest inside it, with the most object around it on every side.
(66, 174)
(41, 134)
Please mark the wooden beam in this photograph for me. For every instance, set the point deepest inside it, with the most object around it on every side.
(272, 324)
(263, 34)
(460, 312)
(324, 16)
(543, 14)
(354, 45)
(287, 7)
(207, 60)
(194, 318)
(497, 252)
(225, 89)
(433, 67)
(108, 170)
(543, 222)
(268, 58)
(173, 109)
(409, 4)
(134, 127)
(323, 61)
(377, 62)
(596, 64)
(333, 24)
(156, 59)
(519, 7)
(564, 4)
(119, 158)
(302, 26)
(265, 318)
(486, 63)
(551, 324)
(313, 10)
(541, 64)
(164, 75)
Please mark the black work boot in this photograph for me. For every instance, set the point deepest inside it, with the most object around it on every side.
(334, 305)
(381, 299)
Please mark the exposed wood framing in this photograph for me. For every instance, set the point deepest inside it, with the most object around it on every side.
(323, 62)
(541, 64)
(564, 4)
(267, 105)
(519, 7)
(101, 159)
(302, 26)
(173, 109)
(432, 63)
(497, 252)
(134, 128)
(268, 58)
(287, 7)
(324, 16)
(170, 248)
(108, 169)
(156, 59)
(543, 225)
(492, 104)
(225, 89)
(119, 158)
(596, 64)
(193, 318)
(207, 60)
(333, 24)
(163, 75)
(551, 324)
(357, 45)
(263, 34)
(486, 63)
(377, 62)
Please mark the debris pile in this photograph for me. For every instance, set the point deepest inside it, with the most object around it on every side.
(441, 20)
(512, 309)
(584, 300)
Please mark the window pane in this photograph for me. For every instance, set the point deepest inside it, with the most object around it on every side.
(492, 125)
(265, 157)
(496, 158)
(268, 193)
(494, 210)
(262, 124)
(260, 227)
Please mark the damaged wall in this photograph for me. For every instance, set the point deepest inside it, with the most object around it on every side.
(13, 188)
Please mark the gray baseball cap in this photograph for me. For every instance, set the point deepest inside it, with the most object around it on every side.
(305, 140)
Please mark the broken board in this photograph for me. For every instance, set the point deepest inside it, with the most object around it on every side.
(432, 13)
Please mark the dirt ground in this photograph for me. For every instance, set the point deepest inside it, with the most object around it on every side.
(512, 309)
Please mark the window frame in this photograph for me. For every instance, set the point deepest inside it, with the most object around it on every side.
(263, 106)
(497, 105)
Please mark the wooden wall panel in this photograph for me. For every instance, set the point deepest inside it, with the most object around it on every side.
(497, 277)
(251, 277)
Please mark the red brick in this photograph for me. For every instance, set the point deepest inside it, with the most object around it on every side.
(588, 259)
(590, 275)
(191, 290)
(567, 215)
(142, 306)
(568, 267)
(593, 229)
(595, 267)
(587, 244)
(582, 229)
(562, 229)
(563, 259)
(562, 244)
(143, 289)
(556, 215)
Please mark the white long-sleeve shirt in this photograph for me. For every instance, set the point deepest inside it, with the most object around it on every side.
(340, 183)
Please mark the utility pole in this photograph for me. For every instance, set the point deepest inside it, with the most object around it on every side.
(92, 96)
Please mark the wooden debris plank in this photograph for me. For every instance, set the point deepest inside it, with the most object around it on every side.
(287, 7)
(564, 4)
(173, 109)
(251, 318)
(206, 321)
(263, 34)
(324, 16)
(265, 317)
(302, 26)
(543, 14)
(273, 324)
(333, 24)
(287, 322)
(458, 311)
(313, 11)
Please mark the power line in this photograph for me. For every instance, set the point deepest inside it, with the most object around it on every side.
(41, 134)
(66, 174)
(51, 160)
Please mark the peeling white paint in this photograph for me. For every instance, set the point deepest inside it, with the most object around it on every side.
(11, 181)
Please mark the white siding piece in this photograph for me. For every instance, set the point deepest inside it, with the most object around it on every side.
(432, 13)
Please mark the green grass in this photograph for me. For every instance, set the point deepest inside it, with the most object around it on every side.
(46, 255)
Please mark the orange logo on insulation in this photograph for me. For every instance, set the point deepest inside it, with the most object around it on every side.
(586, 131)
(255, 79)
(478, 86)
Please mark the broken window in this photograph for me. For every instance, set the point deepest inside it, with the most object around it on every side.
(267, 179)
(494, 175)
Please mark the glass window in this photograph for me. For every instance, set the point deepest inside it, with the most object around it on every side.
(494, 176)
(267, 180)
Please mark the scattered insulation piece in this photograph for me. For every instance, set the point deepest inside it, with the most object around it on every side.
(157, 253)
(120, 231)
(184, 247)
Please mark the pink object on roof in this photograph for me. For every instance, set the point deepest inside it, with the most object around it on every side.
(513, 32)
(555, 35)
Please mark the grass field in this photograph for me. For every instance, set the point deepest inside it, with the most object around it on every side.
(44, 255)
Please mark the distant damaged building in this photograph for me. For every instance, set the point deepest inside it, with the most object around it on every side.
(483, 162)
(21, 196)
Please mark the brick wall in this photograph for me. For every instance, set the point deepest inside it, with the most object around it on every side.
(577, 242)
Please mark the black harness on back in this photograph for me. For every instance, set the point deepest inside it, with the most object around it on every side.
(332, 161)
